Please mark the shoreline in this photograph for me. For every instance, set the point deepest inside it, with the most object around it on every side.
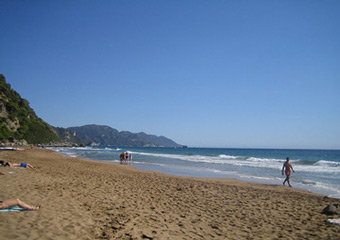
(302, 180)
(88, 199)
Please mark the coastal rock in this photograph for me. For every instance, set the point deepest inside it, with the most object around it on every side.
(14, 143)
(60, 144)
(331, 209)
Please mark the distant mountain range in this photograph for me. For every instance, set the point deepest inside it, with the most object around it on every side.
(107, 136)
(19, 123)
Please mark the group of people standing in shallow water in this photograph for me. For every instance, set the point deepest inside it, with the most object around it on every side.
(125, 158)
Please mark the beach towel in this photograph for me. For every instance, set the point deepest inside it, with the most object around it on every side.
(14, 209)
(335, 221)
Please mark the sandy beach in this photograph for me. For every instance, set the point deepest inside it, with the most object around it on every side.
(85, 199)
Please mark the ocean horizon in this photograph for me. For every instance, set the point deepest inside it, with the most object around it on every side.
(316, 170)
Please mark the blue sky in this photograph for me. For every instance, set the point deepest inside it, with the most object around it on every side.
(260, 74)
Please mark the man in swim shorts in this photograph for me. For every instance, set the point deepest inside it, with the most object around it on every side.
(287, 168)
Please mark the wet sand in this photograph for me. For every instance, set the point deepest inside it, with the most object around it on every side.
(85, 199)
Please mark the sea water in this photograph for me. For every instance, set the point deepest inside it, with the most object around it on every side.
(315, 170)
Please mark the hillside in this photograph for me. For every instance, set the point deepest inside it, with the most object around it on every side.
(105, 135)
(68, 138)
(18, 120)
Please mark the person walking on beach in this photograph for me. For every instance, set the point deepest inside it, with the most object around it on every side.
(287, 168)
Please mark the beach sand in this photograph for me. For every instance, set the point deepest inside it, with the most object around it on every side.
(85, 199)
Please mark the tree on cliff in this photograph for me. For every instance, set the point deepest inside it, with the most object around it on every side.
(19, 121)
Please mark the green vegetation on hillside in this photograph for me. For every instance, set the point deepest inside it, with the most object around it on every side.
(19, 121)
(107, 136)
(68, 137)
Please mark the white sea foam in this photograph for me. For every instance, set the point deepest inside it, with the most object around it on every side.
(223, 156)
(71, 155)
(221, 159)
(327, 163)
(321, 168)
(266, 179)
(270, 163)
(326, 188)
(218, 171)
(266, 160)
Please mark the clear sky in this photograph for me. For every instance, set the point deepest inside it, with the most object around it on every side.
(218, 73)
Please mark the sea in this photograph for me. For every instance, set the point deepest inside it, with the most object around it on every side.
(315, 170)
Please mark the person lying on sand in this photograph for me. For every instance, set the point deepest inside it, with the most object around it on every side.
(17, 203)
(9, 164)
